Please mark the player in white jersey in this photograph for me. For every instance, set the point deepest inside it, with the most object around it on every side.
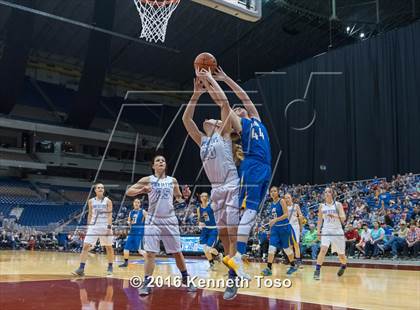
(161, 222)
(218, 154)
(99, 227)
(295, 216)
(331, 217)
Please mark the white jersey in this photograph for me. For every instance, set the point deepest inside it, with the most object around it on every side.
(293, 218)
(328, 222)
(216, 155)
(99, 212)
(161, 197)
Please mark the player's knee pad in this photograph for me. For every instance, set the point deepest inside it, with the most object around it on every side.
(288, 251)
(272, 249)
(247, 221)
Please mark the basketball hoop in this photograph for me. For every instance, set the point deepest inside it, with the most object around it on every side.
(155, 15)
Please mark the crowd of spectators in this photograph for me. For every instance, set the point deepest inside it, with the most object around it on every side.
(382, 217)
(382, 220)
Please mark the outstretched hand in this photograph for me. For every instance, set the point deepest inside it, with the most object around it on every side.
(204, 74)
(199, 87)
(219, 74)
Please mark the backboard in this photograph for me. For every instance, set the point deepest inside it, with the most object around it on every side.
(250, 10)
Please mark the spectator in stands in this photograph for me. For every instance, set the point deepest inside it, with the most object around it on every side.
(312, 217)
(4, 240)
(359, 209)
(388, 233)
(397, 216)
(310, 241)
(364, 238)
(31, 243)
(378, 235)
(373, 217)
(352, 238)
(14, 240)
(412, 245)
(388, 218)
(398, 241)
(381, 213)
(76, 242)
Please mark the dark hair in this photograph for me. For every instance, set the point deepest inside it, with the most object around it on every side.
(154, 158)
(157, 155)
(96, 184)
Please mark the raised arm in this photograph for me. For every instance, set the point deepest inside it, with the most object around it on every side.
(187, 118)
(141, 187)
(228, 117)
(220, 75)
(219, 97)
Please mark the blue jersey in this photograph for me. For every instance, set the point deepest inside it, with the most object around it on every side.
(137, 222)
(255, 141)
(277, 211)
(207, 216)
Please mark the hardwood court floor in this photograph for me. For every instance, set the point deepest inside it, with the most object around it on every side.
(42, 280)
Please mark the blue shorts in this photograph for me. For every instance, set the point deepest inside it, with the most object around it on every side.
(282, 237)
(133, 242)
(255, 178)
(208, 236)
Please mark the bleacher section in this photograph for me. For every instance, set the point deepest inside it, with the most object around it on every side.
(32, 106)
(74, 195)
(18, 192)
(38, 211)
(40, 208)
(44, 214)
(17, 156)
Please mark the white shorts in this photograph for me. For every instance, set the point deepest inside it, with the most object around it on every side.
(101, 233)
(335, 239)
(296, 230)
(225, 205)
(165, 229)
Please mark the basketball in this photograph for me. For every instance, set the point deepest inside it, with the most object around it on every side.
(205, 61)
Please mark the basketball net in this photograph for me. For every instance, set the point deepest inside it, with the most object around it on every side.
(155, 15)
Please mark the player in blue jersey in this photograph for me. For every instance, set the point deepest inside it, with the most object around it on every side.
(136, 220)
(207, 224)
(282, 235)
(255, 168)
